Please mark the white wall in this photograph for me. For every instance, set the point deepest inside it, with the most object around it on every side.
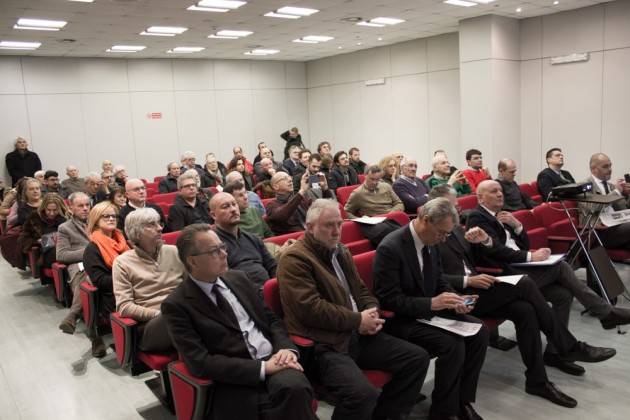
(583, 107)
(416, 111)
(82, 111)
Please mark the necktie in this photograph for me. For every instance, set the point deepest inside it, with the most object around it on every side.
(224, 306)
(606, 189)
(427, 272)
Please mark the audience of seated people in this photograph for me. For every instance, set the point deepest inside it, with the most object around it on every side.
(553, 175)
(30, 201)
(136, 193)
(51, 183)
(292, 138)
(237, 164)
(251, 220)
(287, 212)
(106, 243)
(237, 151)
(513, 198)
(73, 183)
(355, 160)
(245, 251)
(214, 171)
(373, 197)
(476, 172)
(409, 188)
(189, 207)
(443, 174)
(120, 175)
(304, 156)
(118, 197)
(72, 239)
(259, 156)
(342, 175)
(315, 175)
(168, 184)
(107, 183)
(91, 186)
(390, 169)
(253, 198)
(292, 163)
(144, 276)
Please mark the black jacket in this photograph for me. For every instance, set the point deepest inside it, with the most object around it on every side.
(338, 180)
(124, 212)
(453, 252)
(291, 141)
(101, 277)
(548, 178)
(513, 198)
(168, 184)
(499, 255)
(212, 346)
(359, 166)
(182, 214)
(20, 166)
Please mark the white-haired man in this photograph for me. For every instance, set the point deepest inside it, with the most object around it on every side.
(73, 183)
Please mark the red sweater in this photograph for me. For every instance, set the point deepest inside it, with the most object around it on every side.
(475, 177)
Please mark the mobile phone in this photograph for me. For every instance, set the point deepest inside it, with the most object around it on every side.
(469, 301)
(627, 178)
(313, 179)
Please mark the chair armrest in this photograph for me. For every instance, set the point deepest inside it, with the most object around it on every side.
(89, 303)
(124, 331)
(301, 341)
(59, 271)
(386, 314)
(190, 393)
(561, 238)
(489, 270)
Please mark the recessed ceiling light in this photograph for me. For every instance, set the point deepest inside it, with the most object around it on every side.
(40, 24)
(261, 51)
(555, 3)
(221, 4)
(359, 43)
(125, 48)
(19, 45)
(462, 3)
(206, 9)
(280, 15)
(340, 47)
(299, 11)
(164, 30)
(386, 21)
(483, 1)
(519, 9)
(185, 50)
(238, 34)
(380, 38)
(221, 37)
(317, 38)
(365, 23)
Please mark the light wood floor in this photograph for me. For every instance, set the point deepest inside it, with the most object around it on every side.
(45, 374)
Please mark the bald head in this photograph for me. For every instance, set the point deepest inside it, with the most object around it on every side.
(507, 169)
(136, 192)
(225, 212)
(601, 166)
(490, 194)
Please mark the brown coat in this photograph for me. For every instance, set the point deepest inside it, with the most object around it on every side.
(314, 302)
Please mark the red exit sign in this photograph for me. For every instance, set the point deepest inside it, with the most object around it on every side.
(154, 115)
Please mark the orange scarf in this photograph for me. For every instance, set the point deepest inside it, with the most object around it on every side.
(109, 248)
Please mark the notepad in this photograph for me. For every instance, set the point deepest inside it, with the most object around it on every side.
(510, 279)
(465, 329)
(552, 260)
(370, 220)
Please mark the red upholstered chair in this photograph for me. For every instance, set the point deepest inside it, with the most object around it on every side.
(361, 178)
(554, 219)
(89, 304)
(157, 179)
(63, 293)
(271, 293)
(342, 212)
(281, 239)
(190, 393)
(537, 233)
(528, 189)
(266, 201)
(151, 192)
(352, 237)
(165, 208)
(343, 193)
(168, 198)
(468, 202)
(171, 237)
(399, 216)
(45, 275)
(537, 196)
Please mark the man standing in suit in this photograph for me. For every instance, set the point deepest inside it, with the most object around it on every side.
(553, 175)
(511, 245)
(523, 304)
(222, 331)
(325, 300)
(407, 281)
(601, 170)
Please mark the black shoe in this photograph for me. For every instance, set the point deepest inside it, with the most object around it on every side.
(583, 352)
(549, 392)
(98, 348)
(618, 316)
(564, 365)
(467, 412)
(502, 343)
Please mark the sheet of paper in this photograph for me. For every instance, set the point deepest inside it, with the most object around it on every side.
(609, 218)
(370, 220)
(510, 279)
(552, 260)
(465, 329)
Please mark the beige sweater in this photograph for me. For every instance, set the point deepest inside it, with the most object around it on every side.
(142, 283)
(366, 203)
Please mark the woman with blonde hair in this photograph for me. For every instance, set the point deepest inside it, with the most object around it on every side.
(106, 243)
(390, 167)
(41, 228)
(28, 202)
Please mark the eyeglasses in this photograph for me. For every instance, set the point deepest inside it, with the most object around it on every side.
(109, 216)
(213, 252)
(441, 233)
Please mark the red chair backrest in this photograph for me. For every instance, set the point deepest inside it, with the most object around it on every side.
(153, 185)
(527, 218)
(171, 237)
(528, 189)
(266, 201)
(350, 232)
(399, 216)
(361, 178)
(342, 212)
(343, 193)
(271, 294)
(363, 262)
(165, 198)
(468, 202)
(157, 179)
(281, 239)
(165, 208)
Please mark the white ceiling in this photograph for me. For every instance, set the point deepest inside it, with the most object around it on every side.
(99, 25)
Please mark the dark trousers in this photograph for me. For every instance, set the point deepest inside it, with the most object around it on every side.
(458, 364)
(616, 236)
(357, 398)
(526, 307)
(153, 336)
(287, 395)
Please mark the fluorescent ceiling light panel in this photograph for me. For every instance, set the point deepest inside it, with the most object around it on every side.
(207, 9)
(386, 21)
(155, 34)
(40, 24)
(484, 1)
(299, 11)
(126, 48)
(221, 37)
(374, 25)
(83, 1)
(261, 51)
(19, 45)
(170, 30)
(280, 15)
(227, 32)
(462, 3)
(221, 4)
(185, 50)
(317, 38)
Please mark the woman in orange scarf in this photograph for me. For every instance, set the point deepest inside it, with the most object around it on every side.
(106, 243)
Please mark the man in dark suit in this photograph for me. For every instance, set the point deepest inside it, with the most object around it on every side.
(342, 175)
(511, 245)
(407, 277)
(292, 163)
(514, 198)
(523, 304)
(553, 175)
(222, 331)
